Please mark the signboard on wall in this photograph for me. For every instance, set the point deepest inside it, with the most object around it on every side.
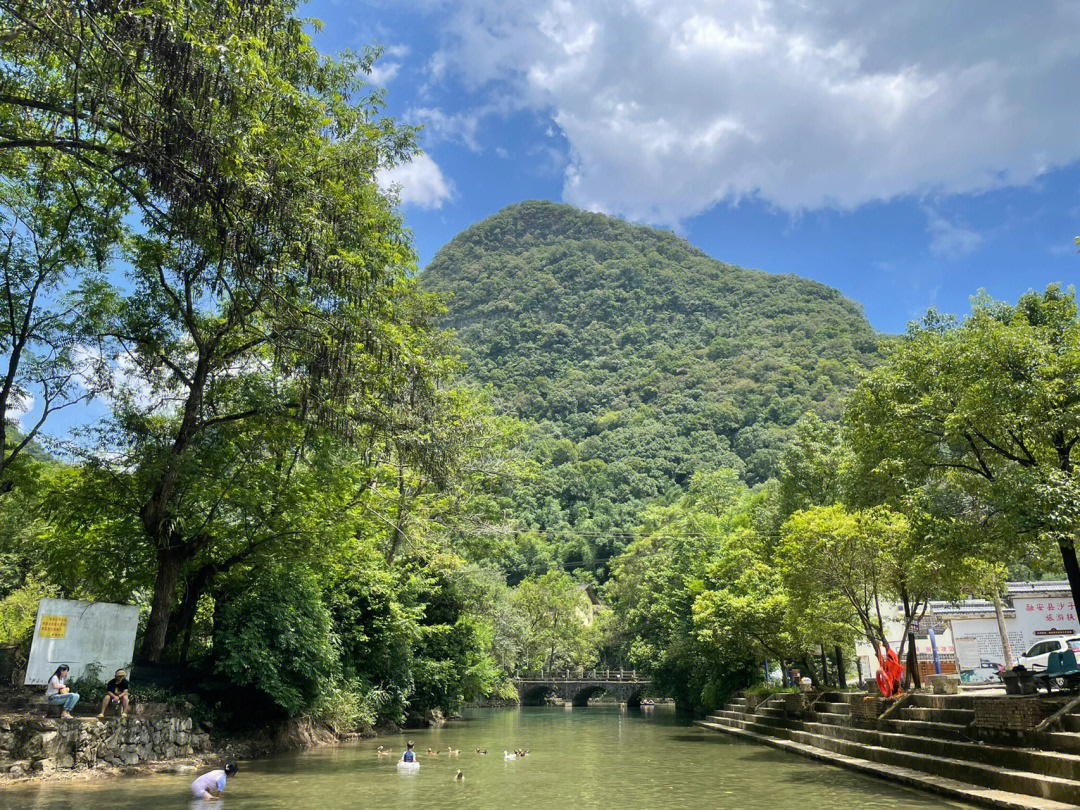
(967, 651)
(81, 634)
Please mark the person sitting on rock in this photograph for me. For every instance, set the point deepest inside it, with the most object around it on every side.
(116, 691)
(58, 694)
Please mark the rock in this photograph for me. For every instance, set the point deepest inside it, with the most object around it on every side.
(65, 761)
(186, 769)
(20, 768)
(45, 766)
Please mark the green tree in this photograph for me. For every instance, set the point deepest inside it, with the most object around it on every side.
(58, 229)
(989, 407)
(557, 629)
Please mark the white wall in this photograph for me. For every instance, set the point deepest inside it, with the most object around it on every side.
(1040, 617)
(94, 633)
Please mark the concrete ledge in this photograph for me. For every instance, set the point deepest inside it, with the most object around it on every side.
(934, 784)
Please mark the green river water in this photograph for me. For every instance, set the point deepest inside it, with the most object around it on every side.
(582, 759)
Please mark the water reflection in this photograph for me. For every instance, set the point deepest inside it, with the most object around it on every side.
(581, 759)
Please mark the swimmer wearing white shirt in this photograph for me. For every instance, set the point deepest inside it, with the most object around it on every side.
(212, 783)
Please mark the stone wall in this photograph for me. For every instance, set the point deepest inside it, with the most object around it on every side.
(1016, 713)
(30, 744)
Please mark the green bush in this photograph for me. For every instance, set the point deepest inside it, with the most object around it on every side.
(18, 611)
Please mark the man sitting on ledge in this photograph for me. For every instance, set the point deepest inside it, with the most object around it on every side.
(116, 691)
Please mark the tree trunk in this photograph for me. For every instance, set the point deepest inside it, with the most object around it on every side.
(182, 619)
(811, 673)
(824, 667)
(168, 572)
(913, 662)
(1072, 569)
(1003, 631)
(841, 676)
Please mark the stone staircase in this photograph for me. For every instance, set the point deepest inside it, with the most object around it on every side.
(929, 741)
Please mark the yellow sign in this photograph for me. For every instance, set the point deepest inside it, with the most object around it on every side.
(53, 627)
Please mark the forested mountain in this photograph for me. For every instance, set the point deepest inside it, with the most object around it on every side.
(637, 359)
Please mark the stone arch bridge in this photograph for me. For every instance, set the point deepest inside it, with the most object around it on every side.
(577, 686)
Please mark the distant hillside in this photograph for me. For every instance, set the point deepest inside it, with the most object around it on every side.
(639, 358)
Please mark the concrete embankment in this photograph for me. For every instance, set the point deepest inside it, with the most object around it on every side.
(985, 750)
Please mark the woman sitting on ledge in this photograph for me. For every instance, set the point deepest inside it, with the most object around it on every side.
(57, 694)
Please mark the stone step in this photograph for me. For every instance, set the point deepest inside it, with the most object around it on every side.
(925, 728)
(936, 715)
(1070, 722)
(832, 707)
(993, 777)
(1063, 741)
(927, 701)
(945, 786)
(830, 717)
(771, 711)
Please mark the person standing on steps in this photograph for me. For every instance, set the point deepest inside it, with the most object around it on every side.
(57, 692)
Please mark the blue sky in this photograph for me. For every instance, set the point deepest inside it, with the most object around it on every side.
(907, 156)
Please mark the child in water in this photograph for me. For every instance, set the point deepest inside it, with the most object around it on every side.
(212, 781)
(409, 755)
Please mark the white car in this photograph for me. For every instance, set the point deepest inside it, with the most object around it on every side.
(1036, 658)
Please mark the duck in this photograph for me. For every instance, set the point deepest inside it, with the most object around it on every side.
(453, 751)
(479, 751)
(459, 776)
(508, 756)
(382, 752)
(431, 753)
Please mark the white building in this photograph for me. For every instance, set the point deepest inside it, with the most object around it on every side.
(967, 632)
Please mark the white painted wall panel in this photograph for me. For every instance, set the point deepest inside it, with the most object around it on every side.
(80, 634)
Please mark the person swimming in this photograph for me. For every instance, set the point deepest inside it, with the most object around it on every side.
(409, 755)
(212, 781)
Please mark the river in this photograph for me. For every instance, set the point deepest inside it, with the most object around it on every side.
(581, 759)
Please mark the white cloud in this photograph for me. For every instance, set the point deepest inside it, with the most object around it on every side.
(19, 407)
(950, 240)
(419, 182)
(670, 106)
(382, 72)
(442, 126)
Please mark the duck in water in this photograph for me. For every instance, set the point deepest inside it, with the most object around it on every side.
(431, 753)
(484, 751)
(382, 752)
(459, 776)
(453, 751)
(508, 756)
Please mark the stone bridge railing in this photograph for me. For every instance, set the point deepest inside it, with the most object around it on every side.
(576, 686)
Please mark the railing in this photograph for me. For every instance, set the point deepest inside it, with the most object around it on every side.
(578, 674)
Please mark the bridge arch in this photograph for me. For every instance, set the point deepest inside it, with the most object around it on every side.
(534, 694)
(581, 697)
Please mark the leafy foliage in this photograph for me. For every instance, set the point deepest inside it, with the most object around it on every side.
(638, 360)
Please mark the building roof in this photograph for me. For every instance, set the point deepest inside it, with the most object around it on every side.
(1050, 586)
(969, 608)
